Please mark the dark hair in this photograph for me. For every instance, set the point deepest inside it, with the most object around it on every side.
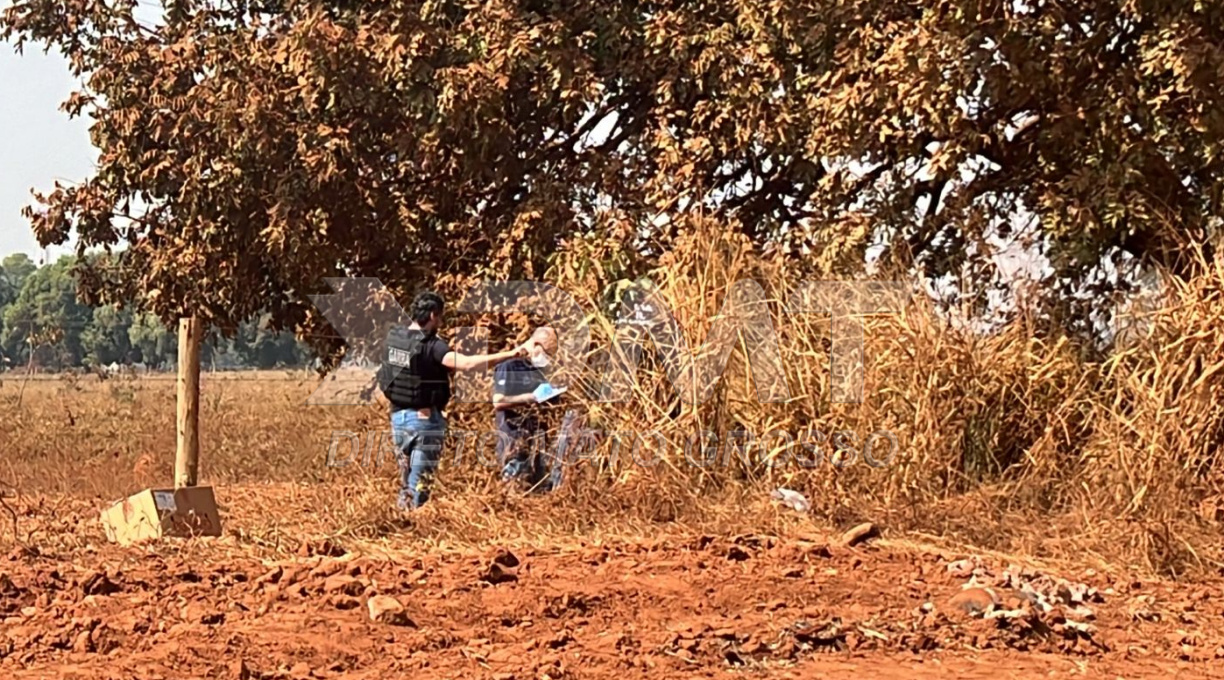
(426, 305)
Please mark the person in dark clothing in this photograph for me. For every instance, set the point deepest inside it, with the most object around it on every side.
(415, 378)
(520, 389)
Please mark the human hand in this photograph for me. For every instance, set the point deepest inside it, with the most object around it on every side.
(545, 392)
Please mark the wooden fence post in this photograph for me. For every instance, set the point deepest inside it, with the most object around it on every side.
(187, 455)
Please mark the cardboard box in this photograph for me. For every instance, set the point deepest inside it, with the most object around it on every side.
(158, 513)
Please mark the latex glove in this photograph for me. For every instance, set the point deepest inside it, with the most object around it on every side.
(545, 392)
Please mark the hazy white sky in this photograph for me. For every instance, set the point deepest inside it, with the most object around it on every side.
(39, 144)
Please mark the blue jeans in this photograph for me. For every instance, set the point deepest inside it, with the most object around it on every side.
(418, 448)
(528, 469)
(525, 458)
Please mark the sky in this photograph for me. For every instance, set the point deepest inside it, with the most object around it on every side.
(39, 143)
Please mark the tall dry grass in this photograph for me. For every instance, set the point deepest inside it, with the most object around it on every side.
(1018, 440)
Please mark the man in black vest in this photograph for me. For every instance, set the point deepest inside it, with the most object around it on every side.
(415, 377)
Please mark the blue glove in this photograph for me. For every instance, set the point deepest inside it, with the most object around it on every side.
(545, 392)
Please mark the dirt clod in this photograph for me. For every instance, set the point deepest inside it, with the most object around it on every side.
(239, 670)
(82, 643)
(503, 569)
(388, 610)
(973, 601)
(98, 583)
(737, 554)
(342, 584)
(344, 602)
(507, 559)
(271, 577)
(321, 548)
(859, 534)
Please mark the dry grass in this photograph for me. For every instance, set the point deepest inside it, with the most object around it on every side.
(1012, 442)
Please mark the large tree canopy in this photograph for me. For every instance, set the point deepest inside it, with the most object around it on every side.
(250, 149)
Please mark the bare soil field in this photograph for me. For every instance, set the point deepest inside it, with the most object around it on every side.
(675, 605)
(597, 581)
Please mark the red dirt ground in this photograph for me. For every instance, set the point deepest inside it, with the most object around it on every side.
(682, 607)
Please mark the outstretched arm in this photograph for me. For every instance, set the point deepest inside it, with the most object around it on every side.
(468, 362)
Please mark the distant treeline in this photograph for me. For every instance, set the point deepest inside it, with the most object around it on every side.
(43, 324)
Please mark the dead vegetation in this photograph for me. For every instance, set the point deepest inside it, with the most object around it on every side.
(1015, 441)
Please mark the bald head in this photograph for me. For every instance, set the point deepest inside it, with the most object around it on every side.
(545, 338)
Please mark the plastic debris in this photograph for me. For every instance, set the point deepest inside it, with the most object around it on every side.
(792, 499)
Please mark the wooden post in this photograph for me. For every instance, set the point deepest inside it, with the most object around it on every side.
(187, 457)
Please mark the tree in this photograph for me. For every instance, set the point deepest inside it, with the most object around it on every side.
(107, 339)
(48, 317)
(264, 348)
(274, 144)
(46, 314)
(255, 345)
(14, 270)
(151, 342)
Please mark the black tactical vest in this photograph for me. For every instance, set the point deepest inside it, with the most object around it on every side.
(410, 376)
